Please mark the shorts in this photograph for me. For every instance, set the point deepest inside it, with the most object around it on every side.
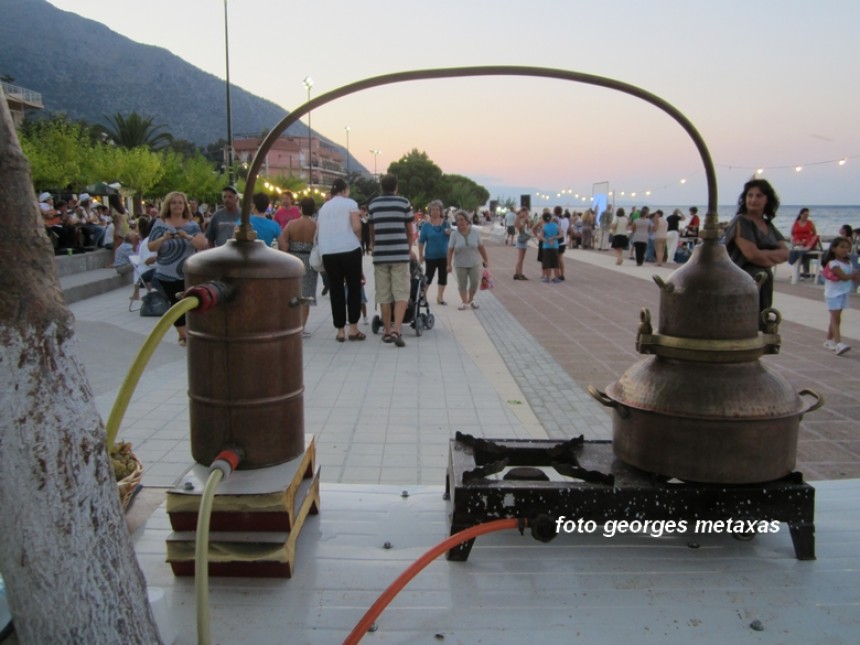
(522, 245)
(549, 259)
(392, 282)
(837, 303)
(511, 231)
(561, 248)
(619, 242)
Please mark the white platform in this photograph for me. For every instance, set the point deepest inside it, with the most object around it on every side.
(513, 589)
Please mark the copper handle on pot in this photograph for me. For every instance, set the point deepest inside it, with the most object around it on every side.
(819, 400)
(602, 398)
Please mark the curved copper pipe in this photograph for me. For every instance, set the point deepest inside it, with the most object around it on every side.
(710, 228)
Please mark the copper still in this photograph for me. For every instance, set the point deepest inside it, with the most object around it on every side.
(702, 407)
(245, 357)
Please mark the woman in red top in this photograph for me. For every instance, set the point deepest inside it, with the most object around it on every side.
(804, 236)
(803, 231)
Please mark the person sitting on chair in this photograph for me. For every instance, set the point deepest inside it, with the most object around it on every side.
(804, 238)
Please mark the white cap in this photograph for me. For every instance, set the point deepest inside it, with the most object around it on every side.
(45, 197)
(84, 197)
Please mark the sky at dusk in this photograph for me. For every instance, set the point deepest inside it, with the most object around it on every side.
(771, 85)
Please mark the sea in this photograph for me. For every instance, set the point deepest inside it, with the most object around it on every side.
(827, 219)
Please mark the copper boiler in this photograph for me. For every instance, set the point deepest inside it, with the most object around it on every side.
(245, 357)
(701, 406)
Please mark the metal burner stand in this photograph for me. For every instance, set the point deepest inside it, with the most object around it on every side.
(605, 489)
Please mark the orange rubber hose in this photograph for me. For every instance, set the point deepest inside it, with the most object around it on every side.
(416, 567)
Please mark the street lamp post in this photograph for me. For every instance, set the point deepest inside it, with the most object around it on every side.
(376, 154)
(229, 155)
(347, 152)
(309, 83)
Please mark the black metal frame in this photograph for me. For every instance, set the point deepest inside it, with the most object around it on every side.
(608, 490)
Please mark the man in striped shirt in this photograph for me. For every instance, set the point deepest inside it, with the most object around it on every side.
(392, 230)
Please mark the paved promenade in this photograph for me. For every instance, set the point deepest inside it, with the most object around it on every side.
(517, 367)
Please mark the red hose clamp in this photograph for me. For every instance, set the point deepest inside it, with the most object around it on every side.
(232, 457)
(210, 294)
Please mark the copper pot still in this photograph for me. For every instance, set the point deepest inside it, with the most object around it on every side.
(245, 382)
(702, 407)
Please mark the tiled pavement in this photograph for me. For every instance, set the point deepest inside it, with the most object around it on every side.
(517, 367)
(588, 325)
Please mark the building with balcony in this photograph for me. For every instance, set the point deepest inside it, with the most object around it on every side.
(19, 100)
(289, 156)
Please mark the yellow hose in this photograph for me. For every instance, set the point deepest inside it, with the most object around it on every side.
(201, 557)
(140, 361)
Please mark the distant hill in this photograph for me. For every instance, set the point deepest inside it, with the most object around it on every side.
(87, 71)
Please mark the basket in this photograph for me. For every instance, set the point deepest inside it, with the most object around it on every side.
(128, 485)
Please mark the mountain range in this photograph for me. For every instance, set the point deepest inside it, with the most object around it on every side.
(86, 71)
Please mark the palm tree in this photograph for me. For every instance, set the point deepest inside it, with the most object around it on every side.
(134, 131)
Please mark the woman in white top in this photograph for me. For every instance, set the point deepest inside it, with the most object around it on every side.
(339, 241)
(619, 234)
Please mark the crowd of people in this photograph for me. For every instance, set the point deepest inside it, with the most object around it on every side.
(446, 241)
(752, 241)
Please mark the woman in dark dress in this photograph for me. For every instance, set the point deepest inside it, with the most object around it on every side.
(753, 242)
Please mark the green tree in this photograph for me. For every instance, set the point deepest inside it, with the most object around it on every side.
(214, 152)
(194, 176)
(363, 189)
(135, 131)
(462, 192)
(184, 147)
(138, 169)
(417, 177)
(59, 152)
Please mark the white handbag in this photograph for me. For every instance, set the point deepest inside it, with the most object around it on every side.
(315, 259)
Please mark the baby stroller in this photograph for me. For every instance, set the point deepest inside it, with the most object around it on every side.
(416, 318)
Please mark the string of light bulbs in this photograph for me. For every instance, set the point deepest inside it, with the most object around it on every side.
(586, 196)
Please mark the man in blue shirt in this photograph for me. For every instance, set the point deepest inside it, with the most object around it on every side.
(266, 229)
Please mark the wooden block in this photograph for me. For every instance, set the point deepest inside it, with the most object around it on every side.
(247, 554)
(251, 500)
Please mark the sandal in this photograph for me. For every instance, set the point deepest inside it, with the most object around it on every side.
(397, 339)
(463, 307)
(387, 338)
(357, 336)
(339, 338)
(441, 302)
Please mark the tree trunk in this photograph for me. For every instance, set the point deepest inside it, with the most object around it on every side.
(65, 552)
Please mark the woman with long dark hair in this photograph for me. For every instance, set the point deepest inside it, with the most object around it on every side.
(753, 242)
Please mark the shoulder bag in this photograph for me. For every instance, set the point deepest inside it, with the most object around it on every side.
(154, 304)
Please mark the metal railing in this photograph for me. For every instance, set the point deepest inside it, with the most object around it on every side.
(20, 94)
